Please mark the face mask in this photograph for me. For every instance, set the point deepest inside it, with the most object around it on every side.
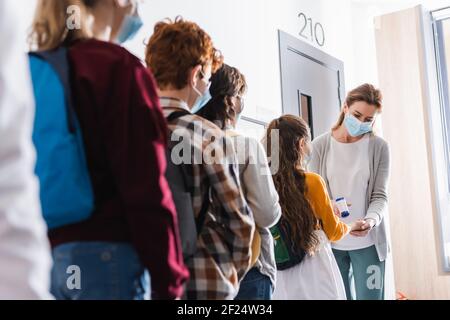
(307, 157)
(355, 127)
(202, 100)
(238, 117)
(130, 27)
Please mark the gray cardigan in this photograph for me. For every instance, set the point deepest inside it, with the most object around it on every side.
(261, 195)
(377, 198)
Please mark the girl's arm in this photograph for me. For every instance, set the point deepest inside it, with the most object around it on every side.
(323, 208)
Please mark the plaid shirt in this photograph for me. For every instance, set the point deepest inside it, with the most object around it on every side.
(223, 248)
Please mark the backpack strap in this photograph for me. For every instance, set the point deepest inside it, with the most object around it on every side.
(171, 118)
(59, 61)
(200, 221)
(176, 115)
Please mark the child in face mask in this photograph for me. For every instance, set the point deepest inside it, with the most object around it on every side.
(228, 89)
(307, 218)
(182, 57)
(108, 20)
(132, 231)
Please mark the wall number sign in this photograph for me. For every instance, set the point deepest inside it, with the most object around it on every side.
(311, 30)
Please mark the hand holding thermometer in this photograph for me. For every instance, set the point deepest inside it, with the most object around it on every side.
(342, 206)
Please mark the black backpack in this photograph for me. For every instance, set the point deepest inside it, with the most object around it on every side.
(285, 256)
(180, 180)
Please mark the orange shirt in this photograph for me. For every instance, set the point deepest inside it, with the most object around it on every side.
(322, 206)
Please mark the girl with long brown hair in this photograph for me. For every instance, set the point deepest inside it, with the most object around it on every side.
(307, 218)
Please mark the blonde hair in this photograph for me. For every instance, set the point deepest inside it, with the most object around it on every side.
(366, 93)
(50, 26)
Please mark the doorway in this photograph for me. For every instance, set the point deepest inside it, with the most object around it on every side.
(312, 83)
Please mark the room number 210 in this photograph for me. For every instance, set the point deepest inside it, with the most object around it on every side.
(314, 32)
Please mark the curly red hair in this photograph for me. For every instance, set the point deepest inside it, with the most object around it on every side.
(175, 48)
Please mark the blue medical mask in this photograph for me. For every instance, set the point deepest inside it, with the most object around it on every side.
(130, 27)
(201, 101)
(238, 116)
(355, 127)
(307, 156)
(203, 98)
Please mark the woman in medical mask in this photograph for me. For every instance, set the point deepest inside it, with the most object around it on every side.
(355, 164)
(133, 229)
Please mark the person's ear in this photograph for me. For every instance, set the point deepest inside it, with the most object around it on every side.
(229, 102)
(194, 75)
(122, 3)
(301, 144)
(231, 107)
(346, 108)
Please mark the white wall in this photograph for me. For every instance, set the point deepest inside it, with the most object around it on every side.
(246, 32)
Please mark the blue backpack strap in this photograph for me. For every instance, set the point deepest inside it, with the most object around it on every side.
(58, 60)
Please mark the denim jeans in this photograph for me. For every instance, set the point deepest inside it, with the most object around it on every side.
(98, 271)
(255, 286)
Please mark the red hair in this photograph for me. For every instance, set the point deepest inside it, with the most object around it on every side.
(175, 48)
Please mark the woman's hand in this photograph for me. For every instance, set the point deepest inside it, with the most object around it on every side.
(356, 226)
(365, 226)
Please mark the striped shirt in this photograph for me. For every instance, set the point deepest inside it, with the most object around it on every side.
(223, 247)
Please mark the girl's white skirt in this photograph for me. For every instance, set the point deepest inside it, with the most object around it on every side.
(315, 278)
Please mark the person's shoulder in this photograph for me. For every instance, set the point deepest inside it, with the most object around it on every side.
(322, 139)
(251, 145)
(250, 141)
(95, 46)
(379, 142)
(313, 177)
(208, 128)
(103, 52)
(313, 180)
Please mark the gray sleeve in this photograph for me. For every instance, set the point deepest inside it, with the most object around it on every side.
(379, 197)
(261, 194)
(314, 162)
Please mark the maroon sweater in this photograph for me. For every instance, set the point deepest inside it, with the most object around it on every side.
(125, 140)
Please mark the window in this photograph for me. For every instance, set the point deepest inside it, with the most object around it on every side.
(439, 115)
(252, 128)
(442, 45)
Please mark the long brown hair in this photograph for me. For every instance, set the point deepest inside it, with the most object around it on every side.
(367, 93)
(298, 218)
(49, 29)
(226, 82)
